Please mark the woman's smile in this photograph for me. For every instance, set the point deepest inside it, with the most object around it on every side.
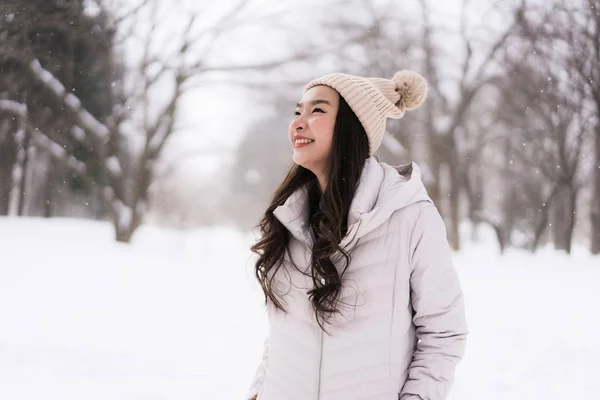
(301, 142)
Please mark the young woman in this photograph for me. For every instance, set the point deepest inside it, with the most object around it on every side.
(362, 297)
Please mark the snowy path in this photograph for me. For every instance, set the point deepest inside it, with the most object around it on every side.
(178, 316)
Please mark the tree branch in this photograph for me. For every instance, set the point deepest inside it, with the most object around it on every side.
(78, 114)
(42, 140)
(72, 103)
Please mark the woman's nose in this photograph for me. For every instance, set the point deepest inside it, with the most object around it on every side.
(298, 124)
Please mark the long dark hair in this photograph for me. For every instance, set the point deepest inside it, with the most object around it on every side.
(329, 217)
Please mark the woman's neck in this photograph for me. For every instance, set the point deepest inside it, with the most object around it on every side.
(322, 178)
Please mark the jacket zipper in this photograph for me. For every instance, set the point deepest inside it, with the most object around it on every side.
(320, 366)
(320, 343)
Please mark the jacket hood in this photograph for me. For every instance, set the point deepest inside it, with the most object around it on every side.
(382, 189)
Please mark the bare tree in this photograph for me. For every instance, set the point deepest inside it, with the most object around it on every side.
(75, 47)
(569, 36)
(446, 113)
(545, 132)
(125, 146)
(586, 63)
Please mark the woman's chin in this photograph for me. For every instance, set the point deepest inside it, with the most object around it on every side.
(300, 159)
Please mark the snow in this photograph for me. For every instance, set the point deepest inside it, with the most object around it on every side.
(78, 133)
(86, 119)
(91, 124)
(42, 140)
(178, 315)
(114, 166)
(124, 214)
(72, 101)
(157, 139)
(91, 9)
(59, 152)
(47, 77)
(14, 107)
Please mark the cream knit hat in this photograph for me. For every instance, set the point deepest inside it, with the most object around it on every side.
(373, 100)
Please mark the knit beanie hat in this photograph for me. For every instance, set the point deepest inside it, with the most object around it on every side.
(373, 100)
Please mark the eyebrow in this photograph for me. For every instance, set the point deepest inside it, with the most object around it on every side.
(315, 102)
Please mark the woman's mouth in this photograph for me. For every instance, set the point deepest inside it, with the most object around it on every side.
(302, 142)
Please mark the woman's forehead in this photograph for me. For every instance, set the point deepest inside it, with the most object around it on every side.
(321, 92)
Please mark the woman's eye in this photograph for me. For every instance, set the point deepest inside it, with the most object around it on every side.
(296, 113)
(318, 109)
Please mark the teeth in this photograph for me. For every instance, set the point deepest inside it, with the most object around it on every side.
(300, 141)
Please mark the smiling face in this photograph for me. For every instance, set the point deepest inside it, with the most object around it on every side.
(311, 130)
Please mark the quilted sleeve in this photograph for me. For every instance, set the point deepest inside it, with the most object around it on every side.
(259, 376)
(439, 315)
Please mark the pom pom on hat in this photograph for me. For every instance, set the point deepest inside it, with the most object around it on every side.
(412, 88)
(373, 100)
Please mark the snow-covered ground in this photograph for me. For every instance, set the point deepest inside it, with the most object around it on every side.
(178, 316)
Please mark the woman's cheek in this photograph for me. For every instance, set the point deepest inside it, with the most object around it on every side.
(322, 125)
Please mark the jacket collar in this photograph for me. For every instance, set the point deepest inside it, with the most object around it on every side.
(381, 190)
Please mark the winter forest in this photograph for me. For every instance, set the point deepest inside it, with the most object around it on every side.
(140, 141)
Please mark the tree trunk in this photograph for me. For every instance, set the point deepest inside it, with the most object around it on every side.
(545, 216)
(124, 234)
(501, 236)
(48, 189)
(573, 211)
(433, 158)
(124, 229)
(594, 80)
(473, 185)
(8, 158)
(477, 204)
(23, 192)
(509, 202)
(563, 221)
(455, 186)
(595, 209)
(435, 163)
(540, 229)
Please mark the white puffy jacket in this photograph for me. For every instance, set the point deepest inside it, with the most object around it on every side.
(403, 329)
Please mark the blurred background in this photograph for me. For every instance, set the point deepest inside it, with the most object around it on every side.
(140, 141)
